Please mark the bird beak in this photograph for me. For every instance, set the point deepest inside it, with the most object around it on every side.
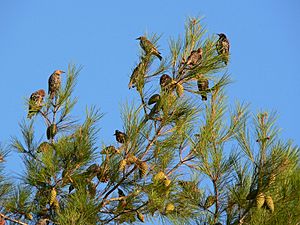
(138, 38)
(62, 71)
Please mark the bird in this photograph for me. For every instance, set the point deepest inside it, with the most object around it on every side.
(195, 57)
(153, 99)
(148, 47)
(165, 80)
(35, 103)
(134, 76)
(42, 221)
(223, 46)
(203, 87)
(120, 136)
(54, 83)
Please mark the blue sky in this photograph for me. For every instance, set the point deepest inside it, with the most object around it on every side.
(38, 37)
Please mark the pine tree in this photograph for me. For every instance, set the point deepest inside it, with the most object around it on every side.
(176, 158)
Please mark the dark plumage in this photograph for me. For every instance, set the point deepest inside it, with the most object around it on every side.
(203, 87)
(223, 46)
(135, 75)
(35, 102)
(153, 99)
(148, 47)
(120, 136)
(54, 83)
(165, 80)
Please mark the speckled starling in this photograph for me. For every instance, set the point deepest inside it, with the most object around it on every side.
(42, 222)
(153, 99)
(134, 76)
(35, 102)
(165, 80)
(120, 136)
(223, 46)
(148, 47)
(203, 87)
(54, 83)
(195, 57)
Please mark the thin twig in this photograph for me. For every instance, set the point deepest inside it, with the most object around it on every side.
(12, 220)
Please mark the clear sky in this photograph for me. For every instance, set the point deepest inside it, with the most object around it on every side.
(38, 37)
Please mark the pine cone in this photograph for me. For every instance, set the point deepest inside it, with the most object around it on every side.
(143, 169)
(122, 165)
(260, 200)
(270, 203)
(272, 178)
(160, 176)
(167, 182)
(53, 194)
(169, 208)
(131, 159)
(110, 150)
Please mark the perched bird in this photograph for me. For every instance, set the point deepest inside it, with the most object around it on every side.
(42, 222)
(195, 57)
(165, 80)
(153, 99)
(148, 47)
(210, 200)
(203, 87)
(120, 136)
(223, 46)
(134, 76)
(35, 102)
(54, 83)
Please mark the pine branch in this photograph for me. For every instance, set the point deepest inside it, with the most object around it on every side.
(12, 220)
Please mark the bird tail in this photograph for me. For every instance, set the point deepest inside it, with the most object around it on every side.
(158, 55)
(130, 85)
(29, 115)
(204, 97)
(52, 94)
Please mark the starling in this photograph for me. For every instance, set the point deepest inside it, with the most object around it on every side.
(165, 80)
(210, 200)
(93, 169)
(134, 76)
(223, 46)
(203, 87)
(153, 99)
(195, 57)
(35, 102)
(120, 136)
(42, 222)
(148, 47)
(54, 83)
(51, 131)
(121, 192)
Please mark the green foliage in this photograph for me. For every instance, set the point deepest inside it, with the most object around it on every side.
(185, 159)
